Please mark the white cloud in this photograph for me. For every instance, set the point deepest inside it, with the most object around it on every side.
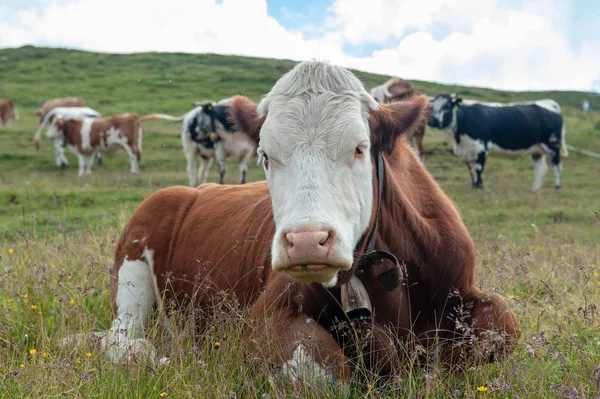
(490, 45)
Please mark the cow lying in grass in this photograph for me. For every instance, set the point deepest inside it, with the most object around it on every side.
(341, 183)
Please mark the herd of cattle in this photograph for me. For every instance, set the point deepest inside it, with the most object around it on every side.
(476, 128)
(349, 230)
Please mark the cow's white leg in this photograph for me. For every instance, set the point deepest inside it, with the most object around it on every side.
(89, 161)
(556, 166)
(303, 367)
(190, 159)
(136, 295)
(540, 168)
(134, 164)
(557, 169)
(81, 160)
(205, 163)
(472, 166)
(133, 158)
(222, 161)
(244, 166)
(59, 154)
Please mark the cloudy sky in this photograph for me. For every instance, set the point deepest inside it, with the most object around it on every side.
(506, 44)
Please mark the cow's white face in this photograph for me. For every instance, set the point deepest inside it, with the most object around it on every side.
(442, 111)
(315, 152)
(316, 128)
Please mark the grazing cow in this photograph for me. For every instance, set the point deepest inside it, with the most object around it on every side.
(58, 102)
(207, 132)
(56, 135)
(341, 181)
(85, 137)
(8, 113)
(479, 128)
(397, 89)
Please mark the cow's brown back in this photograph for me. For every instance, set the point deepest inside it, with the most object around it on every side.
(49, 105)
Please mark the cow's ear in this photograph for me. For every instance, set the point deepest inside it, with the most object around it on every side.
(243, 116)
(207, 108)
(393, 120)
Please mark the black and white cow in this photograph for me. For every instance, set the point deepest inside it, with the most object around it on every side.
(479, 128)
(207, 131)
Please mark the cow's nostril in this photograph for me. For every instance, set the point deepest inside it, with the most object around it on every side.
(325, 239)
(289, 240)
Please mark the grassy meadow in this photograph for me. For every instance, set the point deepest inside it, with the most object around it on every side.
(57, 234)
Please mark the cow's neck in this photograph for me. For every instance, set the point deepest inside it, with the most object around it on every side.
(417, 222)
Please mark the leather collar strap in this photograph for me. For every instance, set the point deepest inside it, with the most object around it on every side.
(355, 300)
(392, 278)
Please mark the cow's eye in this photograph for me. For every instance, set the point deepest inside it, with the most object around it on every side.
(359, 151)
(265, 159)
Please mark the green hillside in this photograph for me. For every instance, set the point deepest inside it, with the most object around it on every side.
(57, 234)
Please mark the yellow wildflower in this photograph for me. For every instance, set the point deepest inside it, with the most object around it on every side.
(26, 300)
(88, 354)
(40, 312)
(22, 365)
(68, 276)
(10, 300)
(596, 274)
(45, 354)
(217, 345)
(24, 295)
(482, 389)
(33, 307)
(72, 302)
(11, 251)
(163, 394)
(32, 351)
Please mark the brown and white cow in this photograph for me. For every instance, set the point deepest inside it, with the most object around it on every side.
(289, 248)
(49, 105)
(8, 113)
(397, 89)
(87, 136)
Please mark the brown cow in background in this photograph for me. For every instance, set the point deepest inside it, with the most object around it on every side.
(49, 105)
(397, 89)
(8, 113)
